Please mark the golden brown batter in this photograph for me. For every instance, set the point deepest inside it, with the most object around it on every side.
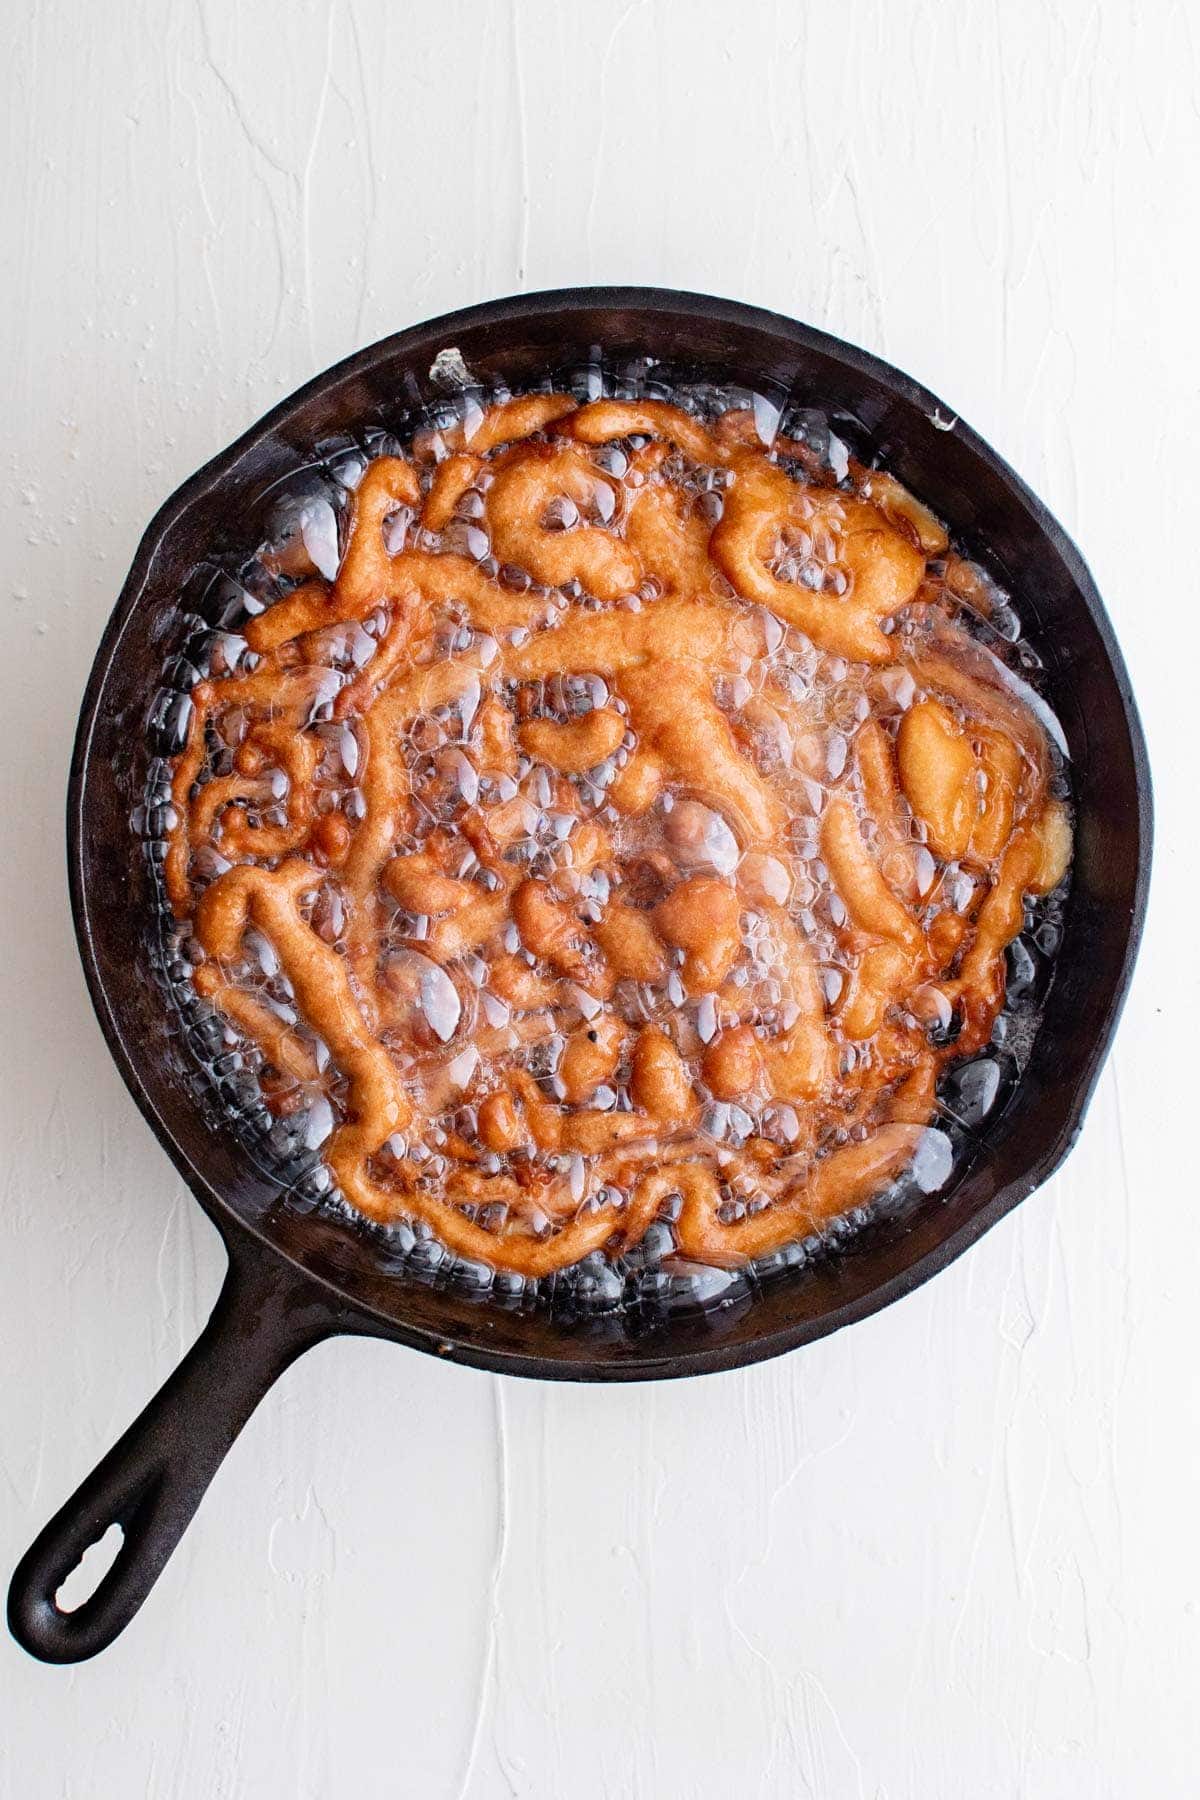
(631, 821)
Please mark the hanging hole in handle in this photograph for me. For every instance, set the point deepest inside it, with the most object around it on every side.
(84, 1579)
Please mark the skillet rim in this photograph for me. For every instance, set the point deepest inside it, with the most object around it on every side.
(651, 1359)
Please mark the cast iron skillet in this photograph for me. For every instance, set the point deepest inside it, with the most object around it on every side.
(295, 1279)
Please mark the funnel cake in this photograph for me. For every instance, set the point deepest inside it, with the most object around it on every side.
(630, 831)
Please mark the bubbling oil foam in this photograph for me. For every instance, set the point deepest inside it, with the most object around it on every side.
(795, 708)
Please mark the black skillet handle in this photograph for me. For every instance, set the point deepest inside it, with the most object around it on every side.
(153, 1479)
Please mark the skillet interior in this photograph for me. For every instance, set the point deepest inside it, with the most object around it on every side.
(986, 507)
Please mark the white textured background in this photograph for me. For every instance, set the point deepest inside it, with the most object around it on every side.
(952, 1553)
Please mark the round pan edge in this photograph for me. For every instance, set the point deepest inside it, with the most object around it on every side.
(350, 1312)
